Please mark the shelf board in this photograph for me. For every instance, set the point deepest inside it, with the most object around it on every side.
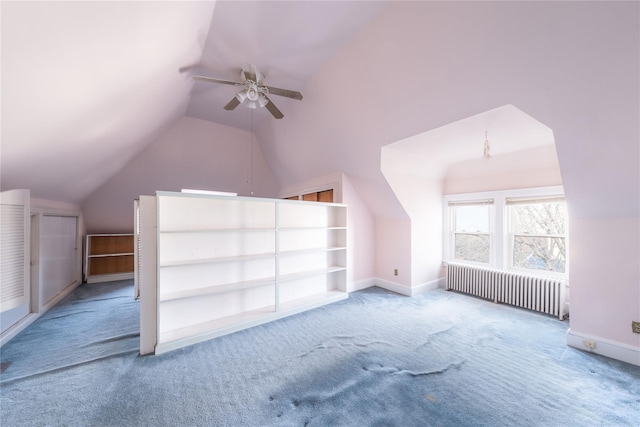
(312, 250)
(312, 301)
(216, 230)
(216, 289)
(310, 273)
(111, 277)
(215, 260)
(295, 228)
(173, 339)
(192, 332)
(107, 255)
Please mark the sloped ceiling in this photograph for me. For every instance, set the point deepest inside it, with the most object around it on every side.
(288, 41)
(87, 85)
(418, 66)
(431, 154)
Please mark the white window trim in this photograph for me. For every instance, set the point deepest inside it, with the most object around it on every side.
(451, 232)
(499, 227)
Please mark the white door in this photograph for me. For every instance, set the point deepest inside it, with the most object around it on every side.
(58, 254)
(14, 257)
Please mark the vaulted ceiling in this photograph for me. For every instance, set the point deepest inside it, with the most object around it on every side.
(87, 85)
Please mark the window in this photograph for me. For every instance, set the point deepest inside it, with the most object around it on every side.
(523, 229)
(471, 236)
(537, 235)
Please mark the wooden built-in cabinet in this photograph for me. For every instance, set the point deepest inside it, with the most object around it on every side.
(227, 263)
(109, 257)
(325, 196)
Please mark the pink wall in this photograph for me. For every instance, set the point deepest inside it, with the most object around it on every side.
(361, 235)
(191, 154)
(573, 66)
(605, 288)
(393, 243)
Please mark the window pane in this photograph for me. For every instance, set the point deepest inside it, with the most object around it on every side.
(539, 218)
(472, 247)
(474, 219)
(539, 253)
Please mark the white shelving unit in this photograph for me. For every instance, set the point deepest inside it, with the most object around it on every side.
(228, 263)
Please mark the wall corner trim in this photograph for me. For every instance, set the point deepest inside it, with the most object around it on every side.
(393, 287)
(428, 286)
(362, 284)
(409, 291)
(605, 347)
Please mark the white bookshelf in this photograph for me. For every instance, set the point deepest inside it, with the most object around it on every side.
(228, 263)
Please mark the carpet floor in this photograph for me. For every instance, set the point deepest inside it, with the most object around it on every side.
(375, 359)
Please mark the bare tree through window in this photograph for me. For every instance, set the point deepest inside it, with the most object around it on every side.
(539, 241)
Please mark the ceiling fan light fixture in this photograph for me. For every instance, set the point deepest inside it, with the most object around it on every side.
(241, 96)
(252, 93)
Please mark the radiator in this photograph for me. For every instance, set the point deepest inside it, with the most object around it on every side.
(543, 294)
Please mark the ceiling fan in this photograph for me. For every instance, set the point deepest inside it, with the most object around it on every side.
(254, 92)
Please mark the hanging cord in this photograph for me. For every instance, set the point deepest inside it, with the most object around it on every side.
(251, 161)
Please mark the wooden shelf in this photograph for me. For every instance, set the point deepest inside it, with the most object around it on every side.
(109, 257)
(102, 244)
(106, 255)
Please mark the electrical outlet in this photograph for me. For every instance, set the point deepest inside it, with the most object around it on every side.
(589, 343)
(635, 327)
(395, 271)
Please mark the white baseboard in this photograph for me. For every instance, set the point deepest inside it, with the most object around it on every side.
(23, 323)
(604, 347)
(428, 286)
(362, 284)
(393, 287)
(397, 287)
(109, 277)
(20, 326)
(53, 301)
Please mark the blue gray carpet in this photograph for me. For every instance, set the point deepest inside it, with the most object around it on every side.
(376, 359)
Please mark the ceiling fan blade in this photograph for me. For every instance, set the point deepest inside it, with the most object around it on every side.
(249, 72)
(285, 92)
(214, 80)
(232, 104)
(189, 67)
(273, 109)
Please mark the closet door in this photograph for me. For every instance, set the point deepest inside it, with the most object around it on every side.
(14, 257)
(58, 238)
